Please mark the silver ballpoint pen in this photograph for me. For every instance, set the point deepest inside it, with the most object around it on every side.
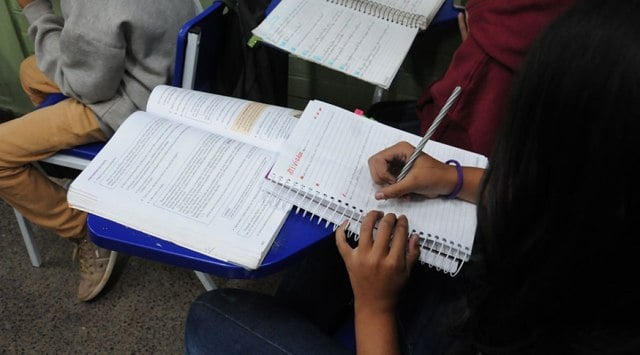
(443, 112)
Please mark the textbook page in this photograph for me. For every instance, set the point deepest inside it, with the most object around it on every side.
(314, 173)
(255, 123)
(193, 187)
(340, 38)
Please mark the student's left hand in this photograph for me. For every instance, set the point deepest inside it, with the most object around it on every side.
(378, 269)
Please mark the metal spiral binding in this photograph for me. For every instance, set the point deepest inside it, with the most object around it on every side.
(311, 201)
(444, 252)
(279, 193)
(384, 12)
(441, 248)
(326, 209)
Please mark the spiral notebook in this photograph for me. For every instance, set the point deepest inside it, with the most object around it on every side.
(365, 39)
(322, 170)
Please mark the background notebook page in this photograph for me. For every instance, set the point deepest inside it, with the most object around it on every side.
(360, 45)
(328, 151)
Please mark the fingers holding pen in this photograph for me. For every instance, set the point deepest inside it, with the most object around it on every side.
(429, 178)
(400, 189)
(385, 165)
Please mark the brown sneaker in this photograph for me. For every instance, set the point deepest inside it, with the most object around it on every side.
(96, 265)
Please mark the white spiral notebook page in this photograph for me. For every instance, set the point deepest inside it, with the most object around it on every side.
(322, 168)
(365, 39)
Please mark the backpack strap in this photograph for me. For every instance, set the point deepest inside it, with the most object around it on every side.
(246, 22)
(259, 72)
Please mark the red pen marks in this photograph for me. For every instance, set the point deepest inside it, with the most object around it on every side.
(295, 163)
(316, 115)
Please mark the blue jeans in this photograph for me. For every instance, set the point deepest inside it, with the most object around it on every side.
(430, 308)
(312, 303)
(233, 321)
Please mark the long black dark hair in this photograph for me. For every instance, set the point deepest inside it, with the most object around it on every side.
(558, 218)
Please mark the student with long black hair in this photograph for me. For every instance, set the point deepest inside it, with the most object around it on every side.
(556, 242)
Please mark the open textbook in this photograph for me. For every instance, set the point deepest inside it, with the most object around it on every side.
(367, 39)
(190, 170)
(322, 169)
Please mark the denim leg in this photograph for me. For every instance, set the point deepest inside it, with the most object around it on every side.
(234, 321)
(318, 288)
(432, 306)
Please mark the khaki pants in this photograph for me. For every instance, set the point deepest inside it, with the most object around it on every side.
(38, 135)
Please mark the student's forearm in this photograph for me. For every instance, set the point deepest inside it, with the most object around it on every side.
(376, 332)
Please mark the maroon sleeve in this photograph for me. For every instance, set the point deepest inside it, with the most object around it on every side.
(501, 31)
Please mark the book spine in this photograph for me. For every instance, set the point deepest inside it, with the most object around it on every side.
(384, 12)
(436, 251)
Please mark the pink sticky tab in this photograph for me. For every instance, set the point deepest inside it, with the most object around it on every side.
(358, 112)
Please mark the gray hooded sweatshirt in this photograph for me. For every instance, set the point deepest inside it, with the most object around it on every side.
(108, 54)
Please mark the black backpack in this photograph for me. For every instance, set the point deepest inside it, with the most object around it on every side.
(258, 73)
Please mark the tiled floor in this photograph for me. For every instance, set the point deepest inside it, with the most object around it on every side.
(143, 310)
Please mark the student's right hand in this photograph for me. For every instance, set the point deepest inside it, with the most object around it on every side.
(428, 177)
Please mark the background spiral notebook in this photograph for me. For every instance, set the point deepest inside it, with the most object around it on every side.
(367, 39)
(322, 170)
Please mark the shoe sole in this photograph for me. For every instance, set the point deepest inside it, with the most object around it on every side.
(105, 278)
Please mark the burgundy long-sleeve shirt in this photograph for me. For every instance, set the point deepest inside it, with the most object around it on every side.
(501, 31)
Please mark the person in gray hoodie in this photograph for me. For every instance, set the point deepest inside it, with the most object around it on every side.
(106, 57)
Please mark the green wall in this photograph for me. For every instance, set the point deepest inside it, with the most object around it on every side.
(14, 46)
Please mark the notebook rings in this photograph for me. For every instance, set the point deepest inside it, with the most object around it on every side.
(381, 11)
(317, 193)
(311, 200)
(440, 252)
(307, 200)
(282, 186)
(450, 257)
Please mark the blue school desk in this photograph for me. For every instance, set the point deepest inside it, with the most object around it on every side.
(298, 235)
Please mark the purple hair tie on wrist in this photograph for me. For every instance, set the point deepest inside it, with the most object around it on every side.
(455, 191)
